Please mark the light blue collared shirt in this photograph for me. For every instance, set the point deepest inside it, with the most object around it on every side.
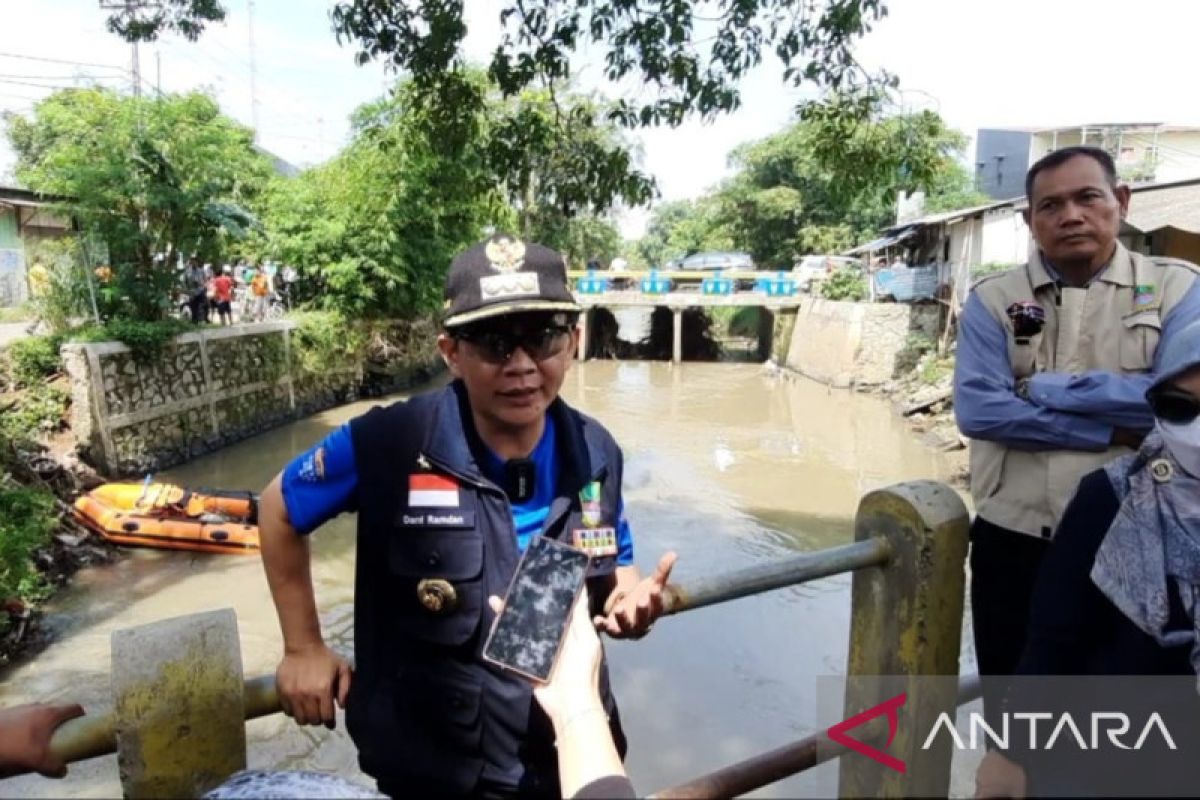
(1064, 411)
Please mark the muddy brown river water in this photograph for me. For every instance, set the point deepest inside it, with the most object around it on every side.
(728, 464)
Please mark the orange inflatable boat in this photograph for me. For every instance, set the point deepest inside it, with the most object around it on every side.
(172, 517)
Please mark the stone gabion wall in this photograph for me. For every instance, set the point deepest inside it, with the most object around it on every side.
(855, 344)
(209, 389)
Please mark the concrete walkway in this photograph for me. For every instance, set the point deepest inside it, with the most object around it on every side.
(11, 331)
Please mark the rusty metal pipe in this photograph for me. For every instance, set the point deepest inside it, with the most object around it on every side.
(753, 773)
(95, 735)
(776, 575)
(782, 762)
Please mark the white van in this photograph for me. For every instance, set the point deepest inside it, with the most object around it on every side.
(810, 270)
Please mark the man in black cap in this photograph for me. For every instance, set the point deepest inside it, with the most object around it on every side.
(450, 487)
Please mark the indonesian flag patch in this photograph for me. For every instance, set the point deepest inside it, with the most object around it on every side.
(432, 491)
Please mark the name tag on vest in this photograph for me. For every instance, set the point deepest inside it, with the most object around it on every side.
(596, 542)
(435, 519)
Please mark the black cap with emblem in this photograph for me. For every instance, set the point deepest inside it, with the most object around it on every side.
(504, 275)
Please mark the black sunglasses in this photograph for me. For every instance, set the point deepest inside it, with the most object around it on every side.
(497, 346)
(1174, 405)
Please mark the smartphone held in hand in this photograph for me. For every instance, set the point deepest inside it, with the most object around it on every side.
(528, 632)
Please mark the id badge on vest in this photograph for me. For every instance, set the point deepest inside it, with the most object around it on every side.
(594, 538)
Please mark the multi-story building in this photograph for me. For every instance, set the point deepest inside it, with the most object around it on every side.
(1145, 152)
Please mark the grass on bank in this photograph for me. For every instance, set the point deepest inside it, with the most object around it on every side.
(9, 314)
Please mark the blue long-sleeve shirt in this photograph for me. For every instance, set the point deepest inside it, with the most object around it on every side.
(1064, 411)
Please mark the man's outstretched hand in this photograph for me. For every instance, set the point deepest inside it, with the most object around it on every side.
(630, 615)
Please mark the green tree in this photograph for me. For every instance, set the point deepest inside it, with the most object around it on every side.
(692, 53)
(680, 228)
(799, 192)
(140, 21)
(955, 188)
(376, 228)
(551, 172)
(154, 179)
(373, 231)
(579, 238)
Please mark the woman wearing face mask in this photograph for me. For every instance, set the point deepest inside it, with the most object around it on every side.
(1119, 595)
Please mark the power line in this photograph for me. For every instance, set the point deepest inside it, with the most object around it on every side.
(76, 77)
(275, 90)
(41, 85)
(61, 61)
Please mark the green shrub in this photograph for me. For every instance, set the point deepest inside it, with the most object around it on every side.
(10, 314)
(27, 519)
(34, 358)
(744, 322)
(42, 409)
(845, 283)
(935, 369)
(65, 295)
(915, 346)
(146, 340)
(325, 341)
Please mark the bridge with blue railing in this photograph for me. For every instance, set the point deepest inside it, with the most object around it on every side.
(679, 291)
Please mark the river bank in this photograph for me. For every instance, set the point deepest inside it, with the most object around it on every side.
(727, 464)
(924, 397)
(47, 460)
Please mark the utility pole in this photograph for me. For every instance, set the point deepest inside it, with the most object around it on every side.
(158, 72)
(253, 71)
(131, 7)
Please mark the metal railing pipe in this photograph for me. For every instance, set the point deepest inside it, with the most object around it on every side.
(95, 735)
(776, 575)
(782, 762)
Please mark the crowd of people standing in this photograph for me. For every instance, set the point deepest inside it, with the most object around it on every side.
(249, 291)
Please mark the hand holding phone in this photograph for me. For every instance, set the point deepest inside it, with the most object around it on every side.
(529, 630)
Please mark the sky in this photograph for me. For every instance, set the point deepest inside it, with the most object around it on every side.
(979, 63)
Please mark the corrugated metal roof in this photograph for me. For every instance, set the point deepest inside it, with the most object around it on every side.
(1151, 201)
(1176, 206)
(882, 242)
(952, 216)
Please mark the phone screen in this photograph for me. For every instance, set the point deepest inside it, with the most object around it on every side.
(526, 635)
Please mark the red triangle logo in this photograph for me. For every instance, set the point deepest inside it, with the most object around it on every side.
(890, 707)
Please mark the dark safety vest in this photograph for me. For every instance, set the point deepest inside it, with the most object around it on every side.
(435, 538)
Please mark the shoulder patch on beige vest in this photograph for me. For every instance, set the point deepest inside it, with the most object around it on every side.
(1167, 261)
(992, 277)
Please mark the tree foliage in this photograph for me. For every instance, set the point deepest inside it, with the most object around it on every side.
(579, 238)
(827, 182)
(154, 179)
(144, 22)
(689, 52)
(551, 171)
(374, 229)
(680, 228)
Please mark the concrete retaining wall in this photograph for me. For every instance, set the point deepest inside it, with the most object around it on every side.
(855, 344)
(207, 390)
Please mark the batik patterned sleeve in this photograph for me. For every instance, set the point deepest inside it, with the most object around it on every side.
(322, 482)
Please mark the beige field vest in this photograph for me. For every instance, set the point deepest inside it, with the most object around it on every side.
(1114, 324)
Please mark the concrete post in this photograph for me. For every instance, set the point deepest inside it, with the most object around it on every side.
(906, 623)
(581, 351)
(677, 335)
(179, 705)
(766, 332)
